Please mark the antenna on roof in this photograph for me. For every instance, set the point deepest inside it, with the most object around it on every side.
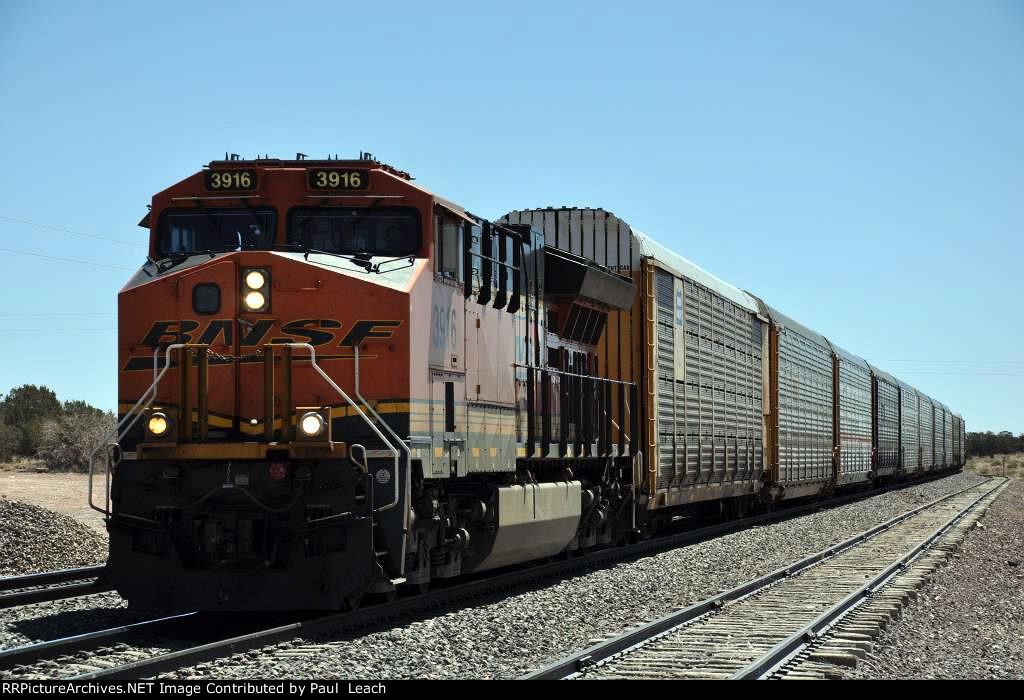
(300, 156)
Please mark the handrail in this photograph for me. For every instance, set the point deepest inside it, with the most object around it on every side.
(117, 432)
(149, 396)
(408, 452)
(359, 411)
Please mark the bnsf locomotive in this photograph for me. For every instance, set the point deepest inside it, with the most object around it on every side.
(333, 382)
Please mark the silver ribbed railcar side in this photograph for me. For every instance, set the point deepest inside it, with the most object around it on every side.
(709, 382)
(927, 417)
(804, 407)
(963, 442)
(947, 437)
(885, 400)
(854, 411)
(910, 429)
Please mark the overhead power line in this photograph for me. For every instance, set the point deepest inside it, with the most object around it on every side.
(959, 362)
(72, 232)
(967, 374)
(57, 328)
(71, 260)
(47, 314)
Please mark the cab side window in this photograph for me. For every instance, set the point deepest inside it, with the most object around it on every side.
(448, 248)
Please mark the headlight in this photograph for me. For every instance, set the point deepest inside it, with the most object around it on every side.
(255, 279)
(158, 424)
(312, 424)
(254, 289)
(255, 300)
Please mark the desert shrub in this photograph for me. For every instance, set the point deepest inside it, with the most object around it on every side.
(66, 441)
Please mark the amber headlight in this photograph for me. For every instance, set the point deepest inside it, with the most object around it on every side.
(312, 424)
(158, 424)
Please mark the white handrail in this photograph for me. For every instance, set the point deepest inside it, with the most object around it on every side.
(359, 411)
(149, 396)
(117, 433)
(405, 446)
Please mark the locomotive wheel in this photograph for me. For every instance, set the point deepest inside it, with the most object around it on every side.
(353, 602)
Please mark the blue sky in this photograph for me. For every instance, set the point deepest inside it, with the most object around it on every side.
(859, 165)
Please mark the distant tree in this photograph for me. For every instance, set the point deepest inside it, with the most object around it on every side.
(988, 443)
(28, 402)
(81, 407)
(24, 409)
(10, 440)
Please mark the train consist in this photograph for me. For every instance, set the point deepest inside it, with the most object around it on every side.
(333, 382)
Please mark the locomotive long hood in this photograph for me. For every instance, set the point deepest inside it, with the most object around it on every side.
(329, 302)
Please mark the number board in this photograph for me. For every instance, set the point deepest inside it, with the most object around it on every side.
(230, 179)
(339, 179)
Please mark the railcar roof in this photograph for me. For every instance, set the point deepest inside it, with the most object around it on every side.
(650, 248)
(781, 319)
(850, 357)
(886, 376)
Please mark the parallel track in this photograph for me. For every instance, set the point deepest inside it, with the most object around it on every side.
(754, 629)
(403, 608)
(51, 585)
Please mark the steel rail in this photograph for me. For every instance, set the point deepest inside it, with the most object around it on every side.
(42, 578)
(424, 603)
(58, 592)
(763, 666)
(32, 653)
(51, 585)
(605, 650)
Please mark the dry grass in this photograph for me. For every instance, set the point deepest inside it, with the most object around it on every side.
(989, 466)
(23, 464)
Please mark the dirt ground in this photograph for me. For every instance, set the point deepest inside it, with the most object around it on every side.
(64, 493)
(968, 622)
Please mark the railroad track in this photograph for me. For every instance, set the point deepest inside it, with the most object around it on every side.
(771, 626)
(118, 654)
(51, 585)
(83, 652)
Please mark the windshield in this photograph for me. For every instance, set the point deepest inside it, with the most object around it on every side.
(390, 231)
(217, 230)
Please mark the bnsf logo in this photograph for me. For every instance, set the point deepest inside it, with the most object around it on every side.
(315, 331)
(318, 332)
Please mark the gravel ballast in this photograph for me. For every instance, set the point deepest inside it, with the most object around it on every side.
(968, 622)
(508, 637)
(36, 539)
